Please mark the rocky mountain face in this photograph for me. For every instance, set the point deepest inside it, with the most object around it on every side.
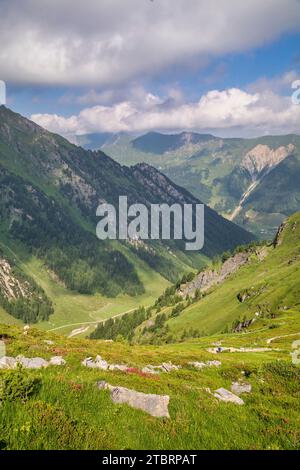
(236, 177)
(11, 287)
(50, 190)
(262, 159)
(211, 277)
(20, 295)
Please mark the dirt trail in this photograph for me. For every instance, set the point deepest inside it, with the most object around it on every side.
(269, 341)
(97, 322)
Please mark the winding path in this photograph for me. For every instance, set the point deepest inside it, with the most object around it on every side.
(270, 340)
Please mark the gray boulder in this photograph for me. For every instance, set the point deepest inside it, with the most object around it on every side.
(57, 361)
(238, 388)
(99, 363)
(32, 363)
(155, 405)
(168, 367)
(227, 396)
(7, 362)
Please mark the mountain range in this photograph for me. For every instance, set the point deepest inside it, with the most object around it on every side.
(50, 190)
(253, 182)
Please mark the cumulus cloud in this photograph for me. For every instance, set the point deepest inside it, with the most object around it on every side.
(99, 43)
(224, 112)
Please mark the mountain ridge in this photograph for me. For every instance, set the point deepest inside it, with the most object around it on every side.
(51, 189)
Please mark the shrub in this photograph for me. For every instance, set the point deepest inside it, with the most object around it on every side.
(18, 385)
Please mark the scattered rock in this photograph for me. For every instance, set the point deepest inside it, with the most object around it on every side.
(227, 396)
(121, 367)
(164, 367)
(238, 388)
(201, 365)
(32, 363)
(7, 362)
(155, 405)
(57, 361)
(49, 342)
(168, 367)
(97, 364)
(214, 363)
(100, 363)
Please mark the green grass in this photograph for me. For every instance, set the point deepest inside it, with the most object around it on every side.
(68, 412)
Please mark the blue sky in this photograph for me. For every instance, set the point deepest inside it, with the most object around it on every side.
(136, 65)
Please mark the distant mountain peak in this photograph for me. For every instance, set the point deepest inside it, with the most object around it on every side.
(158, 143)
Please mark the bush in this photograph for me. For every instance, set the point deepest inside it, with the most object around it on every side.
(17, 385)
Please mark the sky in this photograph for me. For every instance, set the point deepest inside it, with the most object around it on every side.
(228, 67)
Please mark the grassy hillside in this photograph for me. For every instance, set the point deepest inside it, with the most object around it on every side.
(272, 285)
(64, 409)
(67, 411)
(71, 309)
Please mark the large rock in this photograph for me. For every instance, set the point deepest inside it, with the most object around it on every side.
(7, 362)
(168, 367)
(155, 405)
(32, 363)
(227, 396)
(238, 388)
(57, 361)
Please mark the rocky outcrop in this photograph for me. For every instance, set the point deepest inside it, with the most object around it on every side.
(10, 286)
(210, 277)
(278, 237)
(243, 325)
(155, 405)
(262, 159)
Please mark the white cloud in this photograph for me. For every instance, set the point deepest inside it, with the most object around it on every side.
(226, 112)
(100, 43)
